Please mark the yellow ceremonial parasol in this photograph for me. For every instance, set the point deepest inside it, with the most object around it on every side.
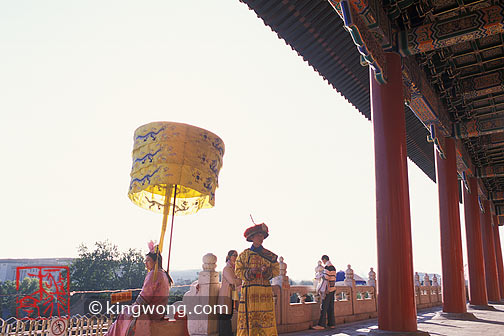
(175, 168)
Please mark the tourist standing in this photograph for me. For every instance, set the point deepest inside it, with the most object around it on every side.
(328, 288)
(229, 285)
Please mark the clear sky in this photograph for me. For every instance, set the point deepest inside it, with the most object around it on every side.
(78, 77)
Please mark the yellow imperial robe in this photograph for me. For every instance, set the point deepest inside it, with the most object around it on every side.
(256, 313)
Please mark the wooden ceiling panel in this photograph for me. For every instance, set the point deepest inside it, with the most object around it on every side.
(491, 53)
(489, 41)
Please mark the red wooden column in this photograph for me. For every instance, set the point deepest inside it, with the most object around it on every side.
(475, 263)
(396, 297)
(454, 297)
(492, 280)
(498, 255)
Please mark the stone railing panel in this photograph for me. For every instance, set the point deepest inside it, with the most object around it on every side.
(424, 294)
(169, 327)
(436, 295)
(301, 290)
(364, 299)
(343, 303)
(302, 311)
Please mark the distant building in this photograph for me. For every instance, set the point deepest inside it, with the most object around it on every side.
(8, 266)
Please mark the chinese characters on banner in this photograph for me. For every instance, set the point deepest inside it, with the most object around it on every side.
(52, 297)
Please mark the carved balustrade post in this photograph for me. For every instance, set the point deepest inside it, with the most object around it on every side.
(372, 278)
(350, 282)
(282, 279)
(417, 288)
(435, 284)
(434, 281)
(349, 277)
(283, 282)
(426, 280)
(372, 282)
(417, 279)
(204, 292)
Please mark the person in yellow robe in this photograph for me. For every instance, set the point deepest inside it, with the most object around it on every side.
(256, 266)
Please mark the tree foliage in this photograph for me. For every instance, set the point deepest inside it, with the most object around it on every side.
(8, 294)
(106, 267)
(132, 269)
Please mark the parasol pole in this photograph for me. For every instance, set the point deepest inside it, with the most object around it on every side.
(171, 230)
(166, 210)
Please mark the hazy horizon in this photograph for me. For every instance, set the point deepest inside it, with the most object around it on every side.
(79, 77)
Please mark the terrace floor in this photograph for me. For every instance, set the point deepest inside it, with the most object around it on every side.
(487, 323)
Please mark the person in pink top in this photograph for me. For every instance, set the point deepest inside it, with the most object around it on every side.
(155, 290)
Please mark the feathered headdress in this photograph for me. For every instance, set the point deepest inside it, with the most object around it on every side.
(256, 228)
(153, 248)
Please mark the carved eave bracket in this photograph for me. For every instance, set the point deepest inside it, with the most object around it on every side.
(482, 191)
(480, 203)
(371, 32)
(465, 181)
(493, 209)
(438, 140)
(464, 162)
(423, 100)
